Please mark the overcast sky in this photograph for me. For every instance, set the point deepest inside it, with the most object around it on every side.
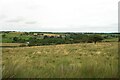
(59, 15)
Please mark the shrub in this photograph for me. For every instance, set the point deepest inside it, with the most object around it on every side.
(23, 45)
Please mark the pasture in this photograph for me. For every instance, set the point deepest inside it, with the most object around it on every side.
(82, 60)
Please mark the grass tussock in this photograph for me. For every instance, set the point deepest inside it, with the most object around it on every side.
(85, 60)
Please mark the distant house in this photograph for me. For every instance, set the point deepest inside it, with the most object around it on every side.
(35, 34)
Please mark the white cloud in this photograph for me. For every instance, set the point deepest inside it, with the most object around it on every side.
(60, 15)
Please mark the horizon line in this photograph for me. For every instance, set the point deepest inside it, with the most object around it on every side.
(57, 31)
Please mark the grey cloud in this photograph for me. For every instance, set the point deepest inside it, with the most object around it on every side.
(31, 22)
(3, 17)
(89, 28)
(114, 24)
(16, 20)
(33, 7)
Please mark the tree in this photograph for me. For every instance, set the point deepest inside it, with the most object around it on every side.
(15, 39)
(3, 35)
(26, 33)
(96, 38)
(18, 40)
(45, 36)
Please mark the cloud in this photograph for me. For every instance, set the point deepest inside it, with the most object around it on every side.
(2, 17)
(31, 22)
(16, 20)
(33, 7)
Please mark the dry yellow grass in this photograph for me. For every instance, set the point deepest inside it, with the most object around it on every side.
(51, 35)
(83, 60)
(10, 44)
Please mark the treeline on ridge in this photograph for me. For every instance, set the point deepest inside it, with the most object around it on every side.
(37, 39)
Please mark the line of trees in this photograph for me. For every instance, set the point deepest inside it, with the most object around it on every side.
(67, 39)
(18, 40)
(73, 38)
(32, 39)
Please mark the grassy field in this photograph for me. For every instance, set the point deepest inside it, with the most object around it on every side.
(83, 60)
(10, 44)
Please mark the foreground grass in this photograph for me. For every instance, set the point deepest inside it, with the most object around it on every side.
(84, 60)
